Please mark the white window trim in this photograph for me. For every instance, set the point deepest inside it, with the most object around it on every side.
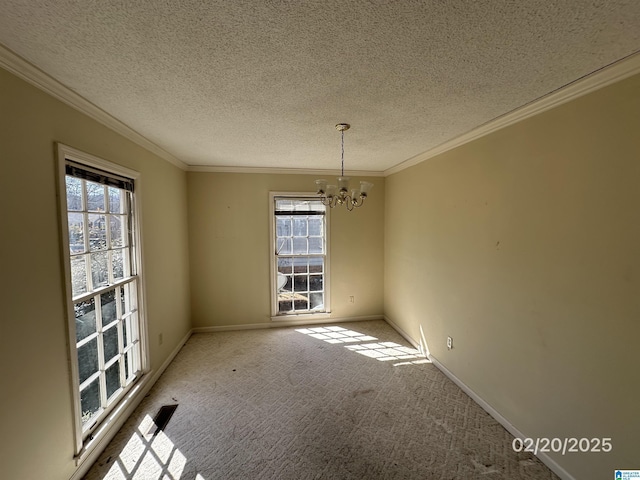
(92, 436)
(274, 267)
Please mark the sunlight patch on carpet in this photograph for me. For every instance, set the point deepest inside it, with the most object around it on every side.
(336, 335)
(149, 455)
(382, 351)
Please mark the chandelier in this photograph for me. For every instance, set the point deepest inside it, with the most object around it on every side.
(332, 195)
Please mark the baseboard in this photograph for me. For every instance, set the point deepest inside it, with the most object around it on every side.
(544, 458)
(133, 400)
(404, 334)
(285, 323)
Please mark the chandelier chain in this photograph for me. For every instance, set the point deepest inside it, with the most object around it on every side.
(342, 153)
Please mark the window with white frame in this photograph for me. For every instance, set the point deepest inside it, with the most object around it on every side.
(103, 286)
(300, 255)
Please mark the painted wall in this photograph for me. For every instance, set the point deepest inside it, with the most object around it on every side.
(35, 398)
(230, 248)
(524, 247)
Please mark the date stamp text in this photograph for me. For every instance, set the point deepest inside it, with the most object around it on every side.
(562, 445)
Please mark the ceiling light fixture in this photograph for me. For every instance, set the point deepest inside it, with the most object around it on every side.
(332, 195)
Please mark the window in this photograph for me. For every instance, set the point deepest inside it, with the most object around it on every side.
(103, 284)
(300, 255)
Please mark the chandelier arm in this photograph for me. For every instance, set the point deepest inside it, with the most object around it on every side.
(350, 203)
(356, 204)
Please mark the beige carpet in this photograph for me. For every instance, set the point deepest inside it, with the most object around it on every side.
(344, 401)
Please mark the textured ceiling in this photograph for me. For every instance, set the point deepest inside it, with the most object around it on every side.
(262, 83)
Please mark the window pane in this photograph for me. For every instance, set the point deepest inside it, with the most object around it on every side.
(283, 226)
(300, 265)
(97, 232)
(117, 264)
(300, 226)
(283, 246)
(113, 378)
(95, 197)
(110, 341)
(300, 302)
(76, 232)
(74, 193)
(117, 232)
(315, 283)
(90, 401)
(315, 226)
(300, 283)
(108, 307)
(300, 245)
(316, 265)
(285, 305)
(78, 275)
(85, 313)
(285, 265)
(315, 244)
(116, 200)
(88, 359)
(99, 269)
(316, 301)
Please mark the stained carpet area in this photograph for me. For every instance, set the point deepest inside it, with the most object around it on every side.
(344, 401)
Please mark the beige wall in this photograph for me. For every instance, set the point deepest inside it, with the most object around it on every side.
(524, 247)
(230, 248)
(35, 398)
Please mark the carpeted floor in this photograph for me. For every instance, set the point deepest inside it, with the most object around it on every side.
(344, 401)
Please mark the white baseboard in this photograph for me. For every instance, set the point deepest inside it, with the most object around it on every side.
(112, 425)
(404, 334)
(307, 320)
(544, 458)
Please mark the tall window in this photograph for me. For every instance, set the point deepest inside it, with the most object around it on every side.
(300, 260)
(103, 275)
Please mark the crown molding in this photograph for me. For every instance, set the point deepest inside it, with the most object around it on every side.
(612, 73)
(281, 171)
(15, 64)
(601, 78)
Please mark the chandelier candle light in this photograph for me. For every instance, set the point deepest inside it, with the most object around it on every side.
(332, 195)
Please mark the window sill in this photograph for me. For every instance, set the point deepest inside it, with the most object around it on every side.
(302, 317)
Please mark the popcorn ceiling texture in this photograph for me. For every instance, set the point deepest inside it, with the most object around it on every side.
(261, 84)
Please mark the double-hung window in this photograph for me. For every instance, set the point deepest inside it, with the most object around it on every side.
(105, 324)
(300, 279)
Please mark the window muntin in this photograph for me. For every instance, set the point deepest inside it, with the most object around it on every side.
(104, 289)
(300, 255)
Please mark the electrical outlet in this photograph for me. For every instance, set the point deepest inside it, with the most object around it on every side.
(160, 339)
(352, 299)
(449, 343)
